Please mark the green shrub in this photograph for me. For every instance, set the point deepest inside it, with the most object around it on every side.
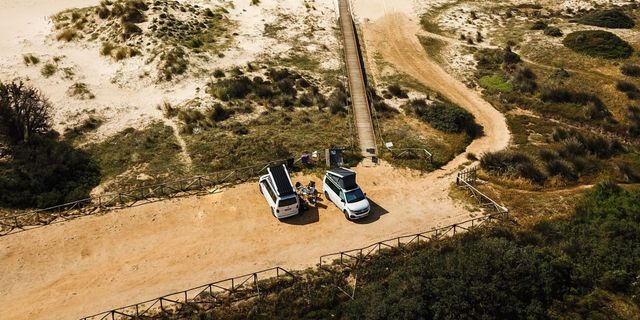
(174, 62)
(599, 44)
(630, 70)
(594, 107)
(626, 86)
(218, 113)
(553, 31)
(30, 59)
(614, 19)
(496, 83)
(525, 80)
(561, 168)
(539, 25)
(446, 117)
(129, 30)
(46, 173)
(48, 70)
(229, 89)
(397, 91)
(81, 91)
(107, 48)
(218, 73)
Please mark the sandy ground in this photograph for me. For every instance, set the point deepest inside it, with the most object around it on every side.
(97, 263)
(124, 95)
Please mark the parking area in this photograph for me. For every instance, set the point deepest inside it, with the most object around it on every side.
(100, 262)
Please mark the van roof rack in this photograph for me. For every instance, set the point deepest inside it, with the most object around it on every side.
(342, 172)
(281, 180)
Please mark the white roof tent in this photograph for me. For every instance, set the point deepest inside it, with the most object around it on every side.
(281, 181)
(345, 178)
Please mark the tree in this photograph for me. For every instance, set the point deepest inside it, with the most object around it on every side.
(24, 112)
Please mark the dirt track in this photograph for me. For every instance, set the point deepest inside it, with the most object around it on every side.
(70, 270)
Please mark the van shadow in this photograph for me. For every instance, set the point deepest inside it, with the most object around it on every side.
(374, 215)
(312, 215)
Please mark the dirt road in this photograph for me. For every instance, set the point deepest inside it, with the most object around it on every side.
(394, 37)
(69, 270)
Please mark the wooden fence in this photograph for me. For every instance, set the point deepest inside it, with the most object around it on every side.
(354, 257)
(466, 179)
(205, 297)
(145, 194)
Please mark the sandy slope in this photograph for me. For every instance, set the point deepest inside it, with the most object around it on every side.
(101, 262)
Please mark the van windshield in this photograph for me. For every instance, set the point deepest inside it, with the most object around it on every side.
(287, 202)
(354, 196)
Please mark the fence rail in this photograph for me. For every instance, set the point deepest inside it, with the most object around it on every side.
(223, 291)
(355, 257)
(145, 194)
(466, 179)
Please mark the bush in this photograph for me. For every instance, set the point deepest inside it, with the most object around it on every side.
(67, 35)
(539, 25)
(129, 30)
(496, 83)
(553, 32)
(107, 48)
(30, 59)
(599, 44)
(218, 73)
(218, 113)
(446, 117)
(525, 80)
(630, 70)
(229, 89)
(594, 107)
(614, 19)
(561, 168)
(45, 173)
(397, 91)
(503, 161)
(626, 86)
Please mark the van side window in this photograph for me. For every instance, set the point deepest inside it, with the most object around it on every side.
(270, 191)
(333, 186)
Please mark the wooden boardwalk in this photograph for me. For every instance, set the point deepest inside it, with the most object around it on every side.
(359, 100)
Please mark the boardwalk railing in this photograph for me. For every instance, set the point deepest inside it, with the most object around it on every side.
(466, 179)
(355, 257)
(145, 194)
(206, 297)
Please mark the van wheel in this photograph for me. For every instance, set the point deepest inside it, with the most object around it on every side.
(346, 215)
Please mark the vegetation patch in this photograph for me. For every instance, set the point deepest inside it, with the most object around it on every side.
(48, 70)
(496, 83)
(275, 135)
(38, 170)
(598, 43)
(173, 34)
(445, 116)
(81, 91)
(630, 70)
(153, 151)
(30, 59)
(613, 19)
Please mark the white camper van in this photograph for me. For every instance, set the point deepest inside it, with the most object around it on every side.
(278, 190)
(340, 187)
